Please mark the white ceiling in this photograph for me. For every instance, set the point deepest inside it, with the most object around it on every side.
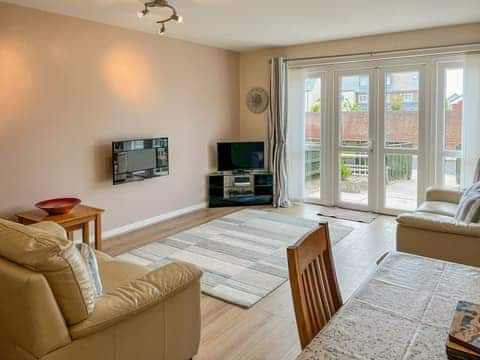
(250, 24)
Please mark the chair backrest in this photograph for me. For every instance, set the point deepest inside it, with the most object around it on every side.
(315, 292)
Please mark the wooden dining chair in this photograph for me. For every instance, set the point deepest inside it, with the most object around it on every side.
(315, 292)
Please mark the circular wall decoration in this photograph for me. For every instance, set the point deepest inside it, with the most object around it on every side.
(257, 100)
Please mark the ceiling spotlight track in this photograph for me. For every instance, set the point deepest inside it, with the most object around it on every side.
(161, 4)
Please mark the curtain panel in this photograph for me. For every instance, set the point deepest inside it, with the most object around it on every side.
(471, 116)
(277, 131)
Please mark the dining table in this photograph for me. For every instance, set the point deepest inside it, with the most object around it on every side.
(403, 311)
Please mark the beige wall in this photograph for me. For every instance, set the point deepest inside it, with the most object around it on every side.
(254, 65)
(69, 87)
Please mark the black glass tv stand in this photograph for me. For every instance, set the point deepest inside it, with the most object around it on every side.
(227, 188)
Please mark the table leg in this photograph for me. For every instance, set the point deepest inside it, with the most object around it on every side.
(86, 233)
(98, 232)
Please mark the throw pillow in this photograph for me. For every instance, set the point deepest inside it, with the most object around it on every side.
(88, 255)
(469, 208)
(474, 188)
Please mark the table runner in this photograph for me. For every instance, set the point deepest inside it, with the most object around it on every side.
(403, 312)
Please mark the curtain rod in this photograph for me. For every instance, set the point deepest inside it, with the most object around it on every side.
(381, 52)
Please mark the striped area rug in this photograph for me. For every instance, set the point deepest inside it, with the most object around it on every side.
(242, 255)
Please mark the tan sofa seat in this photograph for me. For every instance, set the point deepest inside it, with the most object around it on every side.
(115, 273)
(439, 208)
(433, 231)
(142, 315)
(137, 296)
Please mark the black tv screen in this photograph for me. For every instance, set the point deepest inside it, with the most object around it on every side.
(240, 155)
(134, 160)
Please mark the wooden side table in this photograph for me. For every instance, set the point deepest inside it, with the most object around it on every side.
(78, 219)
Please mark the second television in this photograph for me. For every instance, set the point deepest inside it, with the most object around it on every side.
(238, 156)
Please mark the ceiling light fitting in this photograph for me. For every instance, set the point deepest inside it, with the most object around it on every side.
(162, 4)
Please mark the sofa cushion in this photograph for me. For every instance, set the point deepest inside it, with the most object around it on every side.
(116, 273)
(58, 260)
(439, 207)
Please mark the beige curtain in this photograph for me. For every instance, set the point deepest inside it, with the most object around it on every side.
(277, 131)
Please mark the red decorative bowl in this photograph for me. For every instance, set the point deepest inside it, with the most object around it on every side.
(58, 206)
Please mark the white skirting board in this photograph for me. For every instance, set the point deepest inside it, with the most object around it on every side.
(142, 223)
(156, 219)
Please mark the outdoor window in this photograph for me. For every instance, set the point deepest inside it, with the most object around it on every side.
(450, 120)
(363, 99)
(313, 117)
(408, 97)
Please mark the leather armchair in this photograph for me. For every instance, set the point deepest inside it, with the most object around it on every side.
(142, 315)
(433, 231)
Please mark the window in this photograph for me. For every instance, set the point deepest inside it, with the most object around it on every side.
(363, 98)
(450, 118)
(408, 97)
(312, 145)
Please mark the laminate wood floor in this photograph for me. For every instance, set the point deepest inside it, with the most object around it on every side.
(268, 329)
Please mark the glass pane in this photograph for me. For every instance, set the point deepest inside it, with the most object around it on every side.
(313, 115)
(453, 108)
(451, 170)
(354, 92)
(312, 174)
(313, 118)
(401, 109)
(401, 181)
(354, 177)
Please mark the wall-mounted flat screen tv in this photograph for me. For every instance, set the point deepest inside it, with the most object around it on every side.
(135, 160)
(241, 155)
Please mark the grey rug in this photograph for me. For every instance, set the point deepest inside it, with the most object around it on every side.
(345, 214)
(242, 255)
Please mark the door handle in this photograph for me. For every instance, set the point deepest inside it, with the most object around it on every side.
(371, 145)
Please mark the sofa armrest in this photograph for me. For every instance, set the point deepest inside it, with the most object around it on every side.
(136, 297)
(438, 223)
(52, 228)
(445, 194)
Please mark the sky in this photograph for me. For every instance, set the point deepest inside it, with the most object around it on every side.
(454, 83)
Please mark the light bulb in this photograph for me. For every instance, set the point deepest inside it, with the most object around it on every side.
(179, 19)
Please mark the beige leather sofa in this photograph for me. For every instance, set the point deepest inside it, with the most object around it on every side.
(143, 315)
(433, 231)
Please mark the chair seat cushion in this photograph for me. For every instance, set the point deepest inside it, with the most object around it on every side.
(439, 208)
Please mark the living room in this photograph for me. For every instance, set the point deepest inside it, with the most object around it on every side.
(253, 180)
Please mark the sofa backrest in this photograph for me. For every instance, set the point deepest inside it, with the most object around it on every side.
(58, 260)
(31, 322)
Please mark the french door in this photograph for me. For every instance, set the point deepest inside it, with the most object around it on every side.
(401, 128)
(372, 140)
(354, 150)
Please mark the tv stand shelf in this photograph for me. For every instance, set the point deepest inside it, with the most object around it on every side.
(244, 188)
